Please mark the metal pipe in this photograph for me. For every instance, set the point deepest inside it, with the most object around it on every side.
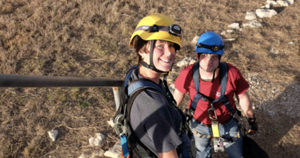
(116, 91)
(56, 81)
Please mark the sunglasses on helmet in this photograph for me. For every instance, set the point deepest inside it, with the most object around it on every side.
(213, 48)
(172, 29)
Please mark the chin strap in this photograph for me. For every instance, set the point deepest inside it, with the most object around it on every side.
(151, 66)
(213, 78)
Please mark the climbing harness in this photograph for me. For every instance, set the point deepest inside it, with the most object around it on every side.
(129, 141)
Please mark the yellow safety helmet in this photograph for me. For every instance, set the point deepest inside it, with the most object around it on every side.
(158, 27)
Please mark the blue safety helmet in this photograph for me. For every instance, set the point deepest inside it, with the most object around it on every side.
(210, 43)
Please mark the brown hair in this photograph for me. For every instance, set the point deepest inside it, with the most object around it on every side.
(139, 44)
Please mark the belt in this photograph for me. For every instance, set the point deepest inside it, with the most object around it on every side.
(223, 123)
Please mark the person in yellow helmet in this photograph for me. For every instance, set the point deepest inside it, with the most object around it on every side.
(154, 118)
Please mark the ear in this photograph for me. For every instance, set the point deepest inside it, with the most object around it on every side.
(141, 53)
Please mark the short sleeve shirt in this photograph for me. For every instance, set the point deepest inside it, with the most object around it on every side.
(156, 121)
(236, 84)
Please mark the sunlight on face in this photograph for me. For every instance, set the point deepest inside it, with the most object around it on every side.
(164, 54)
(209, 62)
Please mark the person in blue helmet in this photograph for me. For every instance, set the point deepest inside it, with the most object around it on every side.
(211, 103)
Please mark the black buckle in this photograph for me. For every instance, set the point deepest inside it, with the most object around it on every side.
(154, 28)
(213, 48)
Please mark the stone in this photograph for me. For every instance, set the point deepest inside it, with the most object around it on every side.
(97, 154)
(229, 39)
(53, 134)
(250, 16)
(223, 33)
(274, 51)
(253, 23)
(83, 155)
(271, 3)
(97, 140)
(229, 31)
(110, 122)
(195, 40)
(282, 3)
(290, 1)
(115, 151)
(184, 62)
(265, 13)
(234, 26)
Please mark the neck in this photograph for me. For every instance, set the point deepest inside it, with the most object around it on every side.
(149, 74)
(207, 76)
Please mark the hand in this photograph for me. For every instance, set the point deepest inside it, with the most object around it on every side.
(253, 125)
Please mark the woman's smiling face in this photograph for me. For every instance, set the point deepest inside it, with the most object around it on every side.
(164, 54)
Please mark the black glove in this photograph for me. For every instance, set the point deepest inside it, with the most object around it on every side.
(253, 125)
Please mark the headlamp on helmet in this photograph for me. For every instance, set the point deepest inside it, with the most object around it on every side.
(213, 48)
(172, 29)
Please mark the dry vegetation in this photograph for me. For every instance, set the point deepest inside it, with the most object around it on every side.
(89, 38)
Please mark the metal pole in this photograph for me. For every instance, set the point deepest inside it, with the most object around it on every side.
(116, 91)
(56, 81)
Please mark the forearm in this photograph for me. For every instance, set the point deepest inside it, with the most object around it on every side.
(170, 154)
(178, 96)
(246, 105)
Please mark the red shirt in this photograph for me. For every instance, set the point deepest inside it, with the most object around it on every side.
(236, 84)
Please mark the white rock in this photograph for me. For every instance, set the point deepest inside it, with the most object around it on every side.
(195, 40)
(223, 33)
(83, 155)
(118, 147)
(111, 153)
(253, 23)
(184, 62)
(267, 6)
(229, 31)
(229, 39)
(234, 26)
(53, 134)
(291, 43)
(265, 13)
(271, 3)
(282, 3)
(115, 151)
(97, 140)
(250, 16)
(192, 61)
(274, 51)
(111, 122)
(97, 154)
(290, 1)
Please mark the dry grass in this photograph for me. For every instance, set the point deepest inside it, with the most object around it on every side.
(90, 39)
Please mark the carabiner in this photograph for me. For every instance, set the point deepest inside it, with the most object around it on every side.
(214, 112)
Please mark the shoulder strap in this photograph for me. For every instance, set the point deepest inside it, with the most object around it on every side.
(223, 75)
(222, 98)
(136, 85)
(196, 79)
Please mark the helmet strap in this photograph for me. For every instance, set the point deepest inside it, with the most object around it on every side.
(213, 78)
(151, 65)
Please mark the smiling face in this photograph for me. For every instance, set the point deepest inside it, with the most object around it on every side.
(163, 55)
